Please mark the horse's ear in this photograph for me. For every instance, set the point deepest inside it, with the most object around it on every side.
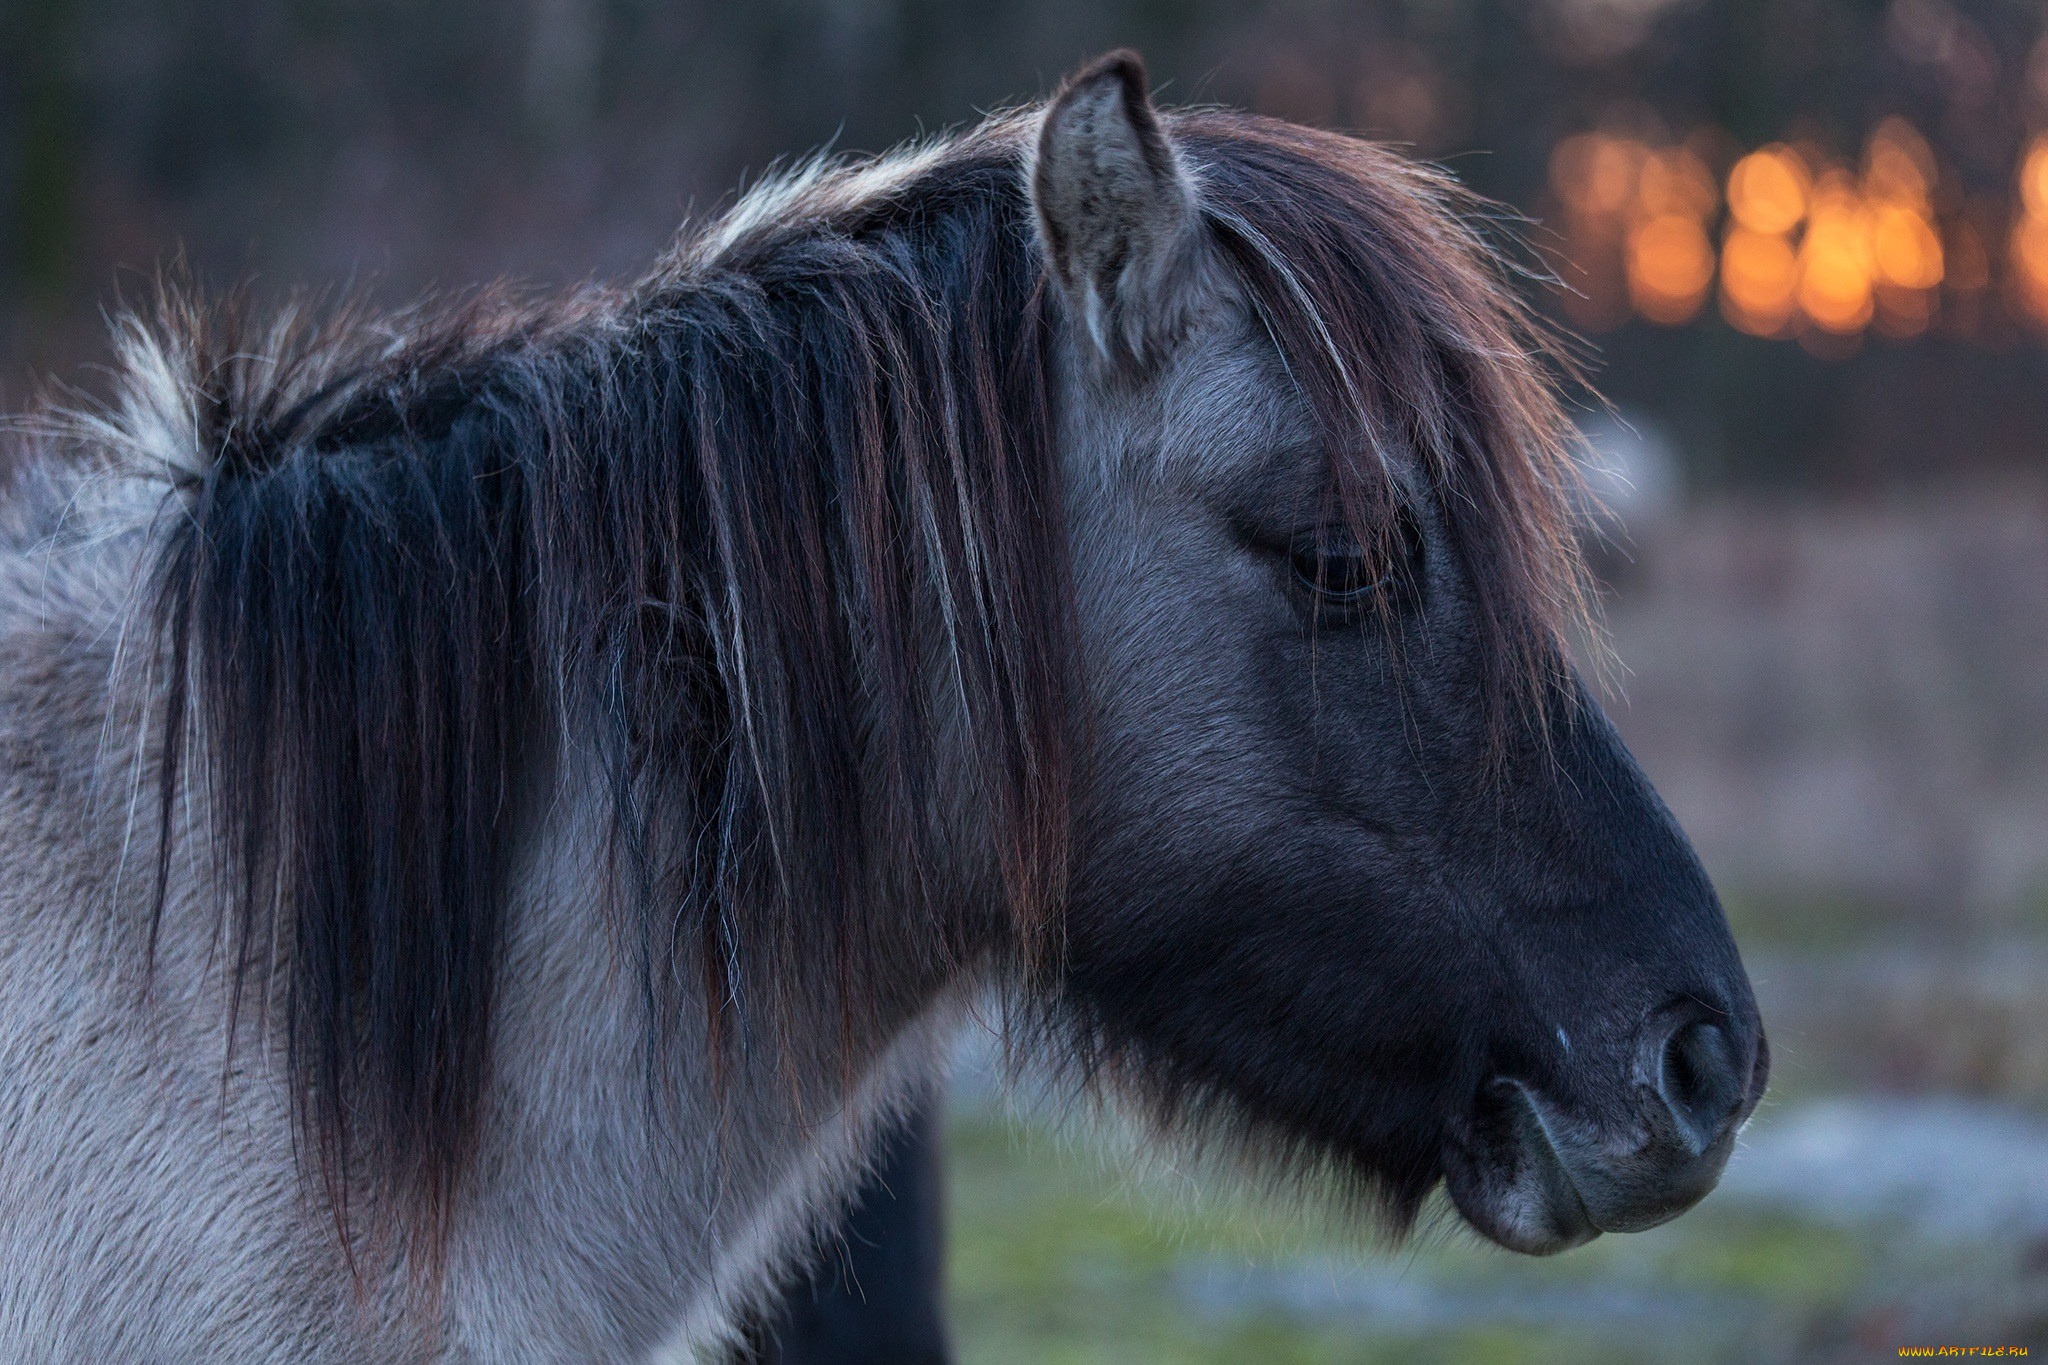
(1116, 211)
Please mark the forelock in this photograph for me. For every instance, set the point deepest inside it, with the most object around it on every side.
(1399, 325)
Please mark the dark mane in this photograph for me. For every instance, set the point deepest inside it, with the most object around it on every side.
(712, 530)
(705, 530)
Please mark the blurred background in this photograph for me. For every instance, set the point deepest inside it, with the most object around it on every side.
(1805, 243)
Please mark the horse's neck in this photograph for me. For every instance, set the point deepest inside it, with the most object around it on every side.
(612, 1204)
(694, 1183)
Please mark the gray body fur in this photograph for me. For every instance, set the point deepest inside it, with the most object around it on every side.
(151, 1208)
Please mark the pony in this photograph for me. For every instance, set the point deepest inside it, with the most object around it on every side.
(502, 803)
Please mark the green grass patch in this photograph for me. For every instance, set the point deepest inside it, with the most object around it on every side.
(1059, 1254)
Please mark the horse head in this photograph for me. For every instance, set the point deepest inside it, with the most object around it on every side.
(1362, 877)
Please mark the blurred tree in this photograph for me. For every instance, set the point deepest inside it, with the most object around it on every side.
(41, 105)
(410, 145)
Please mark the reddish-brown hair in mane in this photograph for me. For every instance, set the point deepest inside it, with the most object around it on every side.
(1401, 326)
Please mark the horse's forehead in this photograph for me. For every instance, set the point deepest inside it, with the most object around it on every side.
(1223, 417)
(1229, 410)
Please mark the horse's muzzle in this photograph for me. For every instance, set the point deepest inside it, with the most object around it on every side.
(1539, 1177)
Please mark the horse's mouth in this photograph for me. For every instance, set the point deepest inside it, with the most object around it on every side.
(1508, 1180)
(1530, 1177)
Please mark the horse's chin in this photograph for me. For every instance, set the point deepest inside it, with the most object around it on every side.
(1532, 1181)
(1508, 1182)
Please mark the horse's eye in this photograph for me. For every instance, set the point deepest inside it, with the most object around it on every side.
(1339, 572)
(1343, 573)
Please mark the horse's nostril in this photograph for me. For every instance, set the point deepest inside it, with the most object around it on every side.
(1699, 1078)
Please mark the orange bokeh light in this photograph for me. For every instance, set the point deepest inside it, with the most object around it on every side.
(1905, 249)
(2034, 177)
(1594, 174)
(1810, 246)
(1899, 167)
(1759, 278)
(1670, 266)
(1835, 258)
(2029, 254)
(1768, 190)
(1677, 182)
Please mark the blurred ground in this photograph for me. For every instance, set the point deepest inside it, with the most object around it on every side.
(1845, 1228)
(1830, 1240)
